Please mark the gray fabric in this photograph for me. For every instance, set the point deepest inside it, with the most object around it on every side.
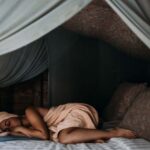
(33, 59)
(136, 14)
(113, 144)
(24, 21)
(23, 64)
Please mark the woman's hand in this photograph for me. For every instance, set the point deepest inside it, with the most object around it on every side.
(4, 133)
(21, 130)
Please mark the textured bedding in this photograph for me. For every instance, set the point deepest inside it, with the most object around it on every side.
(113, 144)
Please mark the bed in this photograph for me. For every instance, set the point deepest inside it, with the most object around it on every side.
(8, 143)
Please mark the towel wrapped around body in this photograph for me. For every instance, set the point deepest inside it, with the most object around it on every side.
(70, 115)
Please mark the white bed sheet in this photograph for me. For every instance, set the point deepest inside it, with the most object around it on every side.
(113, 144)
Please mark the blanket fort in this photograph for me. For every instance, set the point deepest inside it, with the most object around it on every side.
(22, 22)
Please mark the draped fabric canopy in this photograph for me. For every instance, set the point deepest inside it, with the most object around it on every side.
(21, 23)
(136, 14)
(24, 21)
(23, 64)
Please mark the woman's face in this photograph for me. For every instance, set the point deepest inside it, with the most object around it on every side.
(8, 124)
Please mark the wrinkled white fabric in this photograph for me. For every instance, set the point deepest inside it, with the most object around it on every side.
(112, 144)
(24, 21)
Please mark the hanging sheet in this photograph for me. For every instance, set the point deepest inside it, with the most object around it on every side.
(21, 23)
(23, 64)
(24, 21)
(136, 14)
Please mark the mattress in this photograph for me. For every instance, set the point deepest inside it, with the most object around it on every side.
(112, 144)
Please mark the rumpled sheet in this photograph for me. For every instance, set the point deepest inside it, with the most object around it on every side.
(112, 144)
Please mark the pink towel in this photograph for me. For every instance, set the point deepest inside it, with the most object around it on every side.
(4, 116)
(70, 115)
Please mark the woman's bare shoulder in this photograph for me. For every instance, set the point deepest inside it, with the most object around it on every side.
(42, 111)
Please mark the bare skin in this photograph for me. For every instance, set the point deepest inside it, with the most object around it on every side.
(32, 125)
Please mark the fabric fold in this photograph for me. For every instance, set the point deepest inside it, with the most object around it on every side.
(70, 115)
(136, 14)
(22, 22)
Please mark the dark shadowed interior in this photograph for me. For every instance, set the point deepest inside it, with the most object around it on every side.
(105, 54)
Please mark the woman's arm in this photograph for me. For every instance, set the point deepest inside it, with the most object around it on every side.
(39, 128)
(16, 134)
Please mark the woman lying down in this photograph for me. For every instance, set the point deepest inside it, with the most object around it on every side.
(68, 123)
